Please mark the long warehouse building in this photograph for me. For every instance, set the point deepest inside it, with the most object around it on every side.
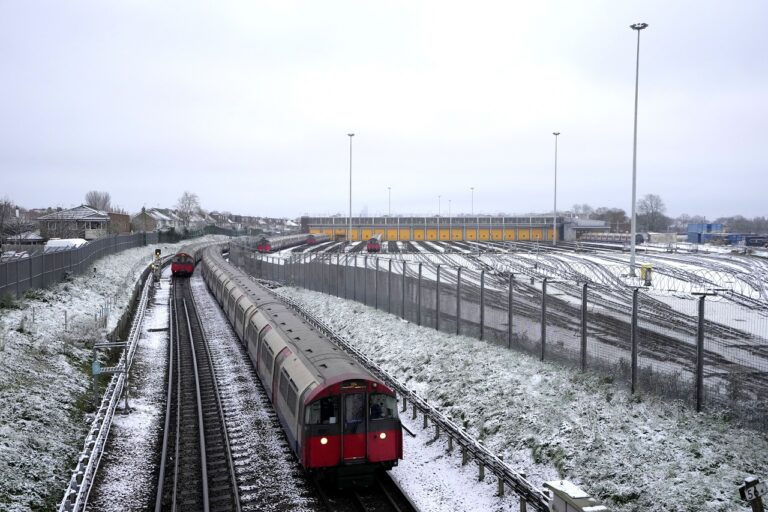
(479, 228)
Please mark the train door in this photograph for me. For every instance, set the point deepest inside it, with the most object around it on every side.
(353, 446)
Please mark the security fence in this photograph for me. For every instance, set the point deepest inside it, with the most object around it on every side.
(42, 270)
(704, 348)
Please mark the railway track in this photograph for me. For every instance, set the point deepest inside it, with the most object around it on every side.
(383, 495)
(197, 471)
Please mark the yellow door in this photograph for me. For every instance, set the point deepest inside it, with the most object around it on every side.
(418, 234)
(405, 234)
(537, 234)
(391, 234)
(432, 234)
(510, 234)
(496, 234)
(484, 234)
(523, 234)
(457, 234)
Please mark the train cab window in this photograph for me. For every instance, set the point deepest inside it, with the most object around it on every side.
(381, 406)
(323, 411)
(354, 412)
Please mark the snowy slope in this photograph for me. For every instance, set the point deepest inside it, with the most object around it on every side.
(637, 453)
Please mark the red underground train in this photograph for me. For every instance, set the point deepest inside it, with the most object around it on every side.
(182, 265)
(374, 243)
(340, 420)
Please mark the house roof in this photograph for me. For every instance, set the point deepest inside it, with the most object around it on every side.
(82, 212)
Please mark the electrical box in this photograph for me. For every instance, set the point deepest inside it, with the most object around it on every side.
(569, 498)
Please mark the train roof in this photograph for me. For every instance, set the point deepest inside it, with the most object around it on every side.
(321, 355)
(327, 362)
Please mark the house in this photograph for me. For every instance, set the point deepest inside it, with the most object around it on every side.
(154, 219)
(80, 222)
(119, 222)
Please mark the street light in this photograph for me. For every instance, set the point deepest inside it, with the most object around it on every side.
(638, 27)
(554, 220)
(349, 235)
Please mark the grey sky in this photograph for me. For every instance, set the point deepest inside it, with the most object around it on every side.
(248, 104)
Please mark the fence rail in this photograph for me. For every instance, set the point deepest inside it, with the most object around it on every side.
(703, 348)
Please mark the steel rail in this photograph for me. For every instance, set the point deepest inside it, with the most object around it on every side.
(168, 404)
(222, 417)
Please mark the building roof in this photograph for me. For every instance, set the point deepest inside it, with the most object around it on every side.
(29, 236)
(82, 212)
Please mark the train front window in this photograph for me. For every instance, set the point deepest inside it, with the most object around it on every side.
(381, 406)
(322, 412)
(354, 412)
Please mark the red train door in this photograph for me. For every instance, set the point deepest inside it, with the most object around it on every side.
(353, 447)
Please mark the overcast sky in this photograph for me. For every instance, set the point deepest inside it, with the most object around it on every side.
(248, 104)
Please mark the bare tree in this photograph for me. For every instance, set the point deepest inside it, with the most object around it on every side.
(615, 217)
(6, 209)
(188, 205)
(583, 210)
(651, 209)
(99, 200)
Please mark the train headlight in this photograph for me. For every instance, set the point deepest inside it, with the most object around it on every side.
(323, 440)
(383, 435)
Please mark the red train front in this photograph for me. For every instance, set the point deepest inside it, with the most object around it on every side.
(263, 245)
(353, 428)
(374, 244)
(182, 265)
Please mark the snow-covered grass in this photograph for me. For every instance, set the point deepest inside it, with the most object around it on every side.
(45, 376)
(637, 453)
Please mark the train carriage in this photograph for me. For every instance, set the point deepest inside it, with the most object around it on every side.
(340, 420)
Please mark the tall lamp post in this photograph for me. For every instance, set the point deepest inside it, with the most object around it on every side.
(472, 211)
(638, 27)
(349, 235)
(554, 219)
(389, 200)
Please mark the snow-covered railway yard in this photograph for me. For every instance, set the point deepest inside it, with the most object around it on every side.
(547, 421)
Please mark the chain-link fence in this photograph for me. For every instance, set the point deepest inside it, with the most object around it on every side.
(44, 269)
(703, 348)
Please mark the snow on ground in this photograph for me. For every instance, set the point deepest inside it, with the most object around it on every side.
(45, 376)
(637, 453)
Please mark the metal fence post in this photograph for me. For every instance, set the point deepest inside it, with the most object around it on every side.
(354, 279)
(584, 327)
(482, 305)
(389, 287)
(402, 301)
(437, 300)
(458, 301)
(633, 337)
(509, 311)
(365, 280)
(346, 269)
(376, 285)
(700, 356)
(418, 301)
(543, 317)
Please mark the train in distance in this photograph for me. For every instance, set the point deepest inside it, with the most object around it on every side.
(277, 243)
(374, 243)
(182, 265)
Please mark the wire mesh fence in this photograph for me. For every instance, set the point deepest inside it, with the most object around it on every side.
(702, 348)
(43, 269)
